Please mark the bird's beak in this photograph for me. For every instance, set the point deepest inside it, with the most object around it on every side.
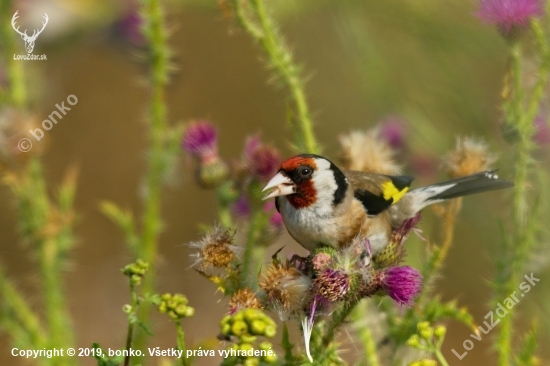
(282, 186)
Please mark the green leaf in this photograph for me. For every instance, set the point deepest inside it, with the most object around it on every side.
(102, 359)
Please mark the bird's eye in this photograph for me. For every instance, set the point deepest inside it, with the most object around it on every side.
(306, 172)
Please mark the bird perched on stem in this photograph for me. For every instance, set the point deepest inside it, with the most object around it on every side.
(324, 205)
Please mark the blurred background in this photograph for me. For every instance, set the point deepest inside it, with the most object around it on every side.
(431, 68)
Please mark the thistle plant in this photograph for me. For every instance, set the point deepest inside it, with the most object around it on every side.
(387, 299)
(521, 104)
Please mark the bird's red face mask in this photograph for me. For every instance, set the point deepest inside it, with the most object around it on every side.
(294, 180)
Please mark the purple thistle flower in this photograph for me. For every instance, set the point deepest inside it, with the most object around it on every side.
(262, 160)
(509, 14)
(542, 131)
(251, 144)
(332, 285)
(392, 129)
(200, 140)
(403, 284)
(129, 27)
(241, 207)
(402, 232)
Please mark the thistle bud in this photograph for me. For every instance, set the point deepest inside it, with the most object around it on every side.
(261, 160)
(200, 140)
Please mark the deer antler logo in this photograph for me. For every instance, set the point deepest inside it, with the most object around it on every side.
(29, 41)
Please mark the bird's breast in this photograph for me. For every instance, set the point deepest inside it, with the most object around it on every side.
(337, 227)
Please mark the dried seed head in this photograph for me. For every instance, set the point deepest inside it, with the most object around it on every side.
(286, 288)
(216, 249)
(367, 152)
(244, 298)
(469, 156)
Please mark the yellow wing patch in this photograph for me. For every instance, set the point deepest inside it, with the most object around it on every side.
(390, 191)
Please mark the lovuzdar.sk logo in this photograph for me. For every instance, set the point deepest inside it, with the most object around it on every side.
(29, 40)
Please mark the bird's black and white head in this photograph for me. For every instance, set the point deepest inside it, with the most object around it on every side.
(307, 180)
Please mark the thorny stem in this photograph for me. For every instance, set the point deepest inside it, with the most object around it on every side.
(49, 255)
(266, 33)
(337, 320)
(155, 33)
(513, 107)
(25, 318)
(521, 110)
(366, 337)
(440, 253)
(15, 68)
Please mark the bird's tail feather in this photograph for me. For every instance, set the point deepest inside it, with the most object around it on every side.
(475, 183)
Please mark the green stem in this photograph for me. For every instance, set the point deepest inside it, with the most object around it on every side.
(16, 309)
(440, 357)
(513, 110)
(337, 320)
(181, 344)
(16, 71)
(370, 347)
(60, 333)
(253, 249)
(267, 35)
(130, 332)
(155, 33)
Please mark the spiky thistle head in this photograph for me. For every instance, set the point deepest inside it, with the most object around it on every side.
(244, 298)
(470, 156)
(402, 284)
(332, 285)
(286, 288)
(509, 15)
(215, 249)
(367, 152)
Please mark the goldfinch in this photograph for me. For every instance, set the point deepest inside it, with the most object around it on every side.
(323, 205)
